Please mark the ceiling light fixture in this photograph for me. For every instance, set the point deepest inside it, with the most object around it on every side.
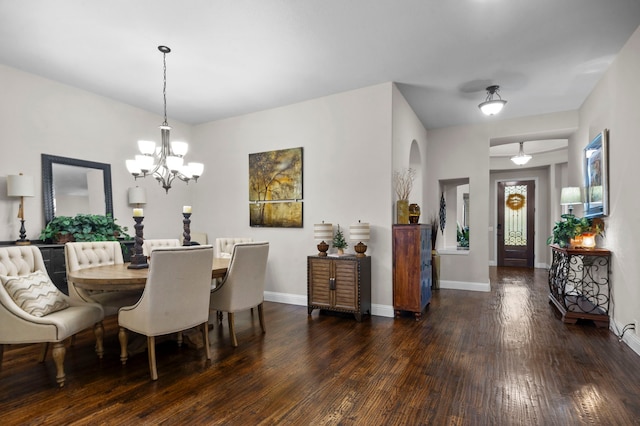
(492, 106)
(166, 162)
(521, 159)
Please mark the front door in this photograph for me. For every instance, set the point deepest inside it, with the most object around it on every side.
(516, 208)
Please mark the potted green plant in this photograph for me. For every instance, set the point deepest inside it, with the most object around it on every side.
(83, 227)
(339, 242)
(462, 237)
(571, 227)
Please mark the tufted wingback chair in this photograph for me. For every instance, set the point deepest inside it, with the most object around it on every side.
(243, 286)
(150, 245)
(19, 327)
(97, 253)
(224, 246)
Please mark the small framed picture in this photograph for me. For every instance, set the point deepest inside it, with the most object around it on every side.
(596, 176)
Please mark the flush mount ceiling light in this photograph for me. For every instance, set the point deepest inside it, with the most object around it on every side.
(166, 162)
(521, 159)
(492, 106)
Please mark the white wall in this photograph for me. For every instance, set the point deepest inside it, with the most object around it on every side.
(346, 141)
(463, 152)
(41, 116)
(613, 104)
(407, 128)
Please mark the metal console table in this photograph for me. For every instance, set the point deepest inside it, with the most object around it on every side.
(579, 284)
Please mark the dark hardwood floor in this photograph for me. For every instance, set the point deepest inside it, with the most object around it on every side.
(498, 358)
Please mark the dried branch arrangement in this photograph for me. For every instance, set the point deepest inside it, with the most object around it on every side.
(403, 183)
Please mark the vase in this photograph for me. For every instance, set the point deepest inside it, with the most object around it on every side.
(435, 270)
(402, 211)
(414, 213)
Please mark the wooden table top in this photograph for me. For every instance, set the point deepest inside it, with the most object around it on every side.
(120, 277)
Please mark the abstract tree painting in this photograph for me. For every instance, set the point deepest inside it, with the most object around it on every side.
(275, 188)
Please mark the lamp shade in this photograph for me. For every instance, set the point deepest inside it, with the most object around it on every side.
(359, 232)
(323, 231)
(570, 195)
(20, 186)
(492, 107)
(137, 195)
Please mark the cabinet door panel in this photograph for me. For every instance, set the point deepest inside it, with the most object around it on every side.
(346, 289)
(319, 276)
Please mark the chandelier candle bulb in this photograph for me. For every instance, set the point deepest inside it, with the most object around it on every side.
(138, 212)
(186, 209)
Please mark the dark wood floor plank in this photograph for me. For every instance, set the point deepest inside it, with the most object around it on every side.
(496, 358)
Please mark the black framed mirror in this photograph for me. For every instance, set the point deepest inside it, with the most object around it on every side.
(78, 185)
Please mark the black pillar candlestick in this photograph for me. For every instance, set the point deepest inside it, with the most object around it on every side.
(186, 229)
(138, 260)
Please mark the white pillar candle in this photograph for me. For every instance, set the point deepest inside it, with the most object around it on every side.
(138, 213)
(186, 209)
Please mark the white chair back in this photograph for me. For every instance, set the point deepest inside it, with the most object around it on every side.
(243, 286)
(149, 245)
(176, 296)
(224, 245)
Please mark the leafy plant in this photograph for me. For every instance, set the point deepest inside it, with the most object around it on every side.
(570, 227)
(338, 240)
(463, 236)
(84, 227)
(434, 222)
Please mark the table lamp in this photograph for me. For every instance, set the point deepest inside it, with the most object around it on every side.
(137, 196)
(359, 232)
(323, 232)
(570, 196)
(20, 186)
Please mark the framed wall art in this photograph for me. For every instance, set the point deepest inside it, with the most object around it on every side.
(275, 188)
(596, 176)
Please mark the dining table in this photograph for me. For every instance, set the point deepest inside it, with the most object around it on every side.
(120, 277)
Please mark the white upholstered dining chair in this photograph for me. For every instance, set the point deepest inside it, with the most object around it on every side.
(175, 298)
(224, 245)
(149, 245)
(33, 310)
(242, 288)
(97, 253)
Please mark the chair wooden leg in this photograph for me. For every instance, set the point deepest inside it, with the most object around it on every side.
(219, 314)
(180, 339)
(232, 329)
(44, 348)
(205, 336)
(58, 357)
(261, 316)
(151, 349)
(122, 336)
(98, 330)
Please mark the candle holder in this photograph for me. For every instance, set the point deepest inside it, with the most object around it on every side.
(138, 260)
(186, 229)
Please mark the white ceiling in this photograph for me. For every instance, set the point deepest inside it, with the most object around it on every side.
(235, 57)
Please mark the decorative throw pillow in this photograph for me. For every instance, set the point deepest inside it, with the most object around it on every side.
(35, 293)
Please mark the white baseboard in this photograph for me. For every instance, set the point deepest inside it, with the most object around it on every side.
(464, 285)
(630, 337)
(299, 300)
(537, 265)
(289, 299)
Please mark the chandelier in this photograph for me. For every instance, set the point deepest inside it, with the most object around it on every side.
(521, 159)
(492, 106)
(166, 162)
